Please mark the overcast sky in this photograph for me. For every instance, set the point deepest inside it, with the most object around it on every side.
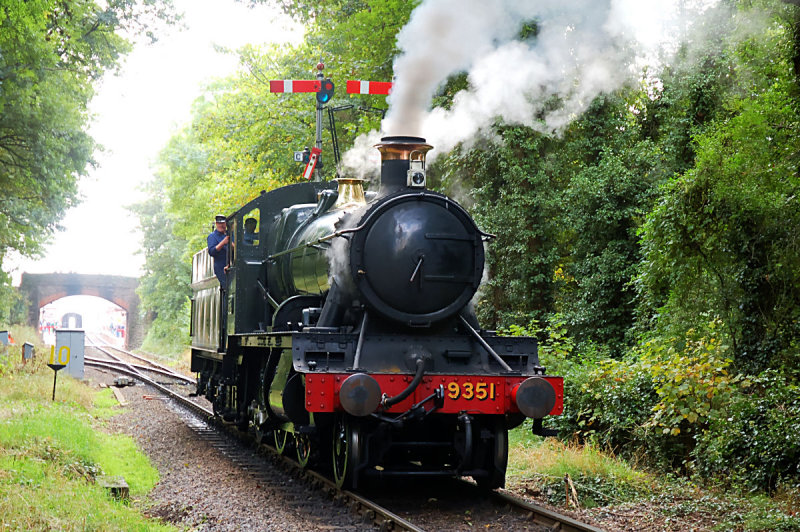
(135, 114)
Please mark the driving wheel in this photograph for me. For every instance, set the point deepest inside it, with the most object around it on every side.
(348, 452)
(302, 444)
(282, 441)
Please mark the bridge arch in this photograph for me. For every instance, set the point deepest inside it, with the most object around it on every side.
(40, 289)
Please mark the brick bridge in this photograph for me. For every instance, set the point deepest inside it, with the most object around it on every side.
(40, 289)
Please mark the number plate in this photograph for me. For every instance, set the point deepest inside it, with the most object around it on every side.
(471, 391)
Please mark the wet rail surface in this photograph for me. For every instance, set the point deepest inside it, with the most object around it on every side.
(413, 504)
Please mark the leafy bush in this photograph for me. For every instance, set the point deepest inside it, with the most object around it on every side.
(657, 401)
(756, 443)
(676, 404)
(610, 402)
(693, 384)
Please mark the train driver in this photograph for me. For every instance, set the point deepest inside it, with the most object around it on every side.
(250, 235)
(218, 249)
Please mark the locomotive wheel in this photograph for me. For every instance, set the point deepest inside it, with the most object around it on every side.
(496, 457)
(217, 406)
(261, 431)
(302, 444)
(348, 452)
(282, 441)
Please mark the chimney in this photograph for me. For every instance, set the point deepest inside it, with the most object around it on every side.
(402, 163)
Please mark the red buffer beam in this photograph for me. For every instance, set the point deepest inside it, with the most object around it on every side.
(294, 85)
(368, 87)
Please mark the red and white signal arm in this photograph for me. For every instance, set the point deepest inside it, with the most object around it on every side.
(294, 85)
(312, 162)
(369, 87)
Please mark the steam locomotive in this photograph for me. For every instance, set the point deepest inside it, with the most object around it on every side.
(346, 335)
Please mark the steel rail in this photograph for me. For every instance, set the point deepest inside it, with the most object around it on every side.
(388, 520)
(544, 516)
(172, 394)
(134, 371)
(149, 361)
(162, 367)
(140, 367)
(380, 516)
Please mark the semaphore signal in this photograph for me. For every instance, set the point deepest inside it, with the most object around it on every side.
(294, 85)
(324, 88)
(368, 87)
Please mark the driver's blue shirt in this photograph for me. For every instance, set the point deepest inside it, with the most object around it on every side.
(220, 256)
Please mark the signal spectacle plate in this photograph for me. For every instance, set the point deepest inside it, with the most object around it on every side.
(418, 259)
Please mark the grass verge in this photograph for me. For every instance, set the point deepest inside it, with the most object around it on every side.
(52, 452)
(537, 468)
(599, 478)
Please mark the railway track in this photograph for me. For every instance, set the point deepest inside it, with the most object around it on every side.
(202, 421)
(142, 364)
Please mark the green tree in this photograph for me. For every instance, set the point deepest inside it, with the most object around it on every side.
(516, 197)
(51, 54)
(613, 173)
(163, 289)
(241, 137)
(723, 239)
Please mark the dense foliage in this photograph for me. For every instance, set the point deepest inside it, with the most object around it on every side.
(51, 54)
(651, 244)
(165, 295)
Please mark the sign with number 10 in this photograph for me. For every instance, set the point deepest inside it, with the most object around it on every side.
(63, 355)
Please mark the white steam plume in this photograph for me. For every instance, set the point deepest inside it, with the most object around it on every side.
(363, 161)
(582, 48)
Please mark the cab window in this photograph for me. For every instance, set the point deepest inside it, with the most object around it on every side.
(251, 225)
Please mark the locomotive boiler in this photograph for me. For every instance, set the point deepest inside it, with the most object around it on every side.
(346, 335)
